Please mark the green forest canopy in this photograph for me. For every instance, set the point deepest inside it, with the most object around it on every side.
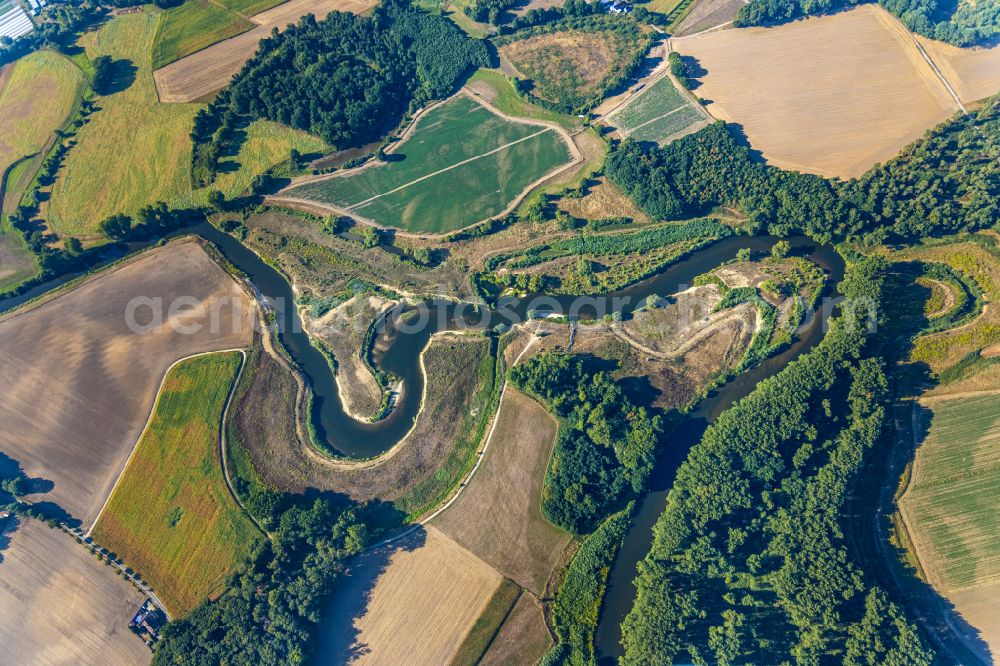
(749, 564)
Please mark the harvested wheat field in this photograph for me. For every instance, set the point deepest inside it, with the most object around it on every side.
(201, 74)
(832, 95)
(77, 383)
(973, 73)
(411, 602)
(60, 605)
(498, 516)
(708, 14)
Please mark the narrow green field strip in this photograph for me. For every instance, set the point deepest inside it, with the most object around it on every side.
(171, 516)
(250, 7)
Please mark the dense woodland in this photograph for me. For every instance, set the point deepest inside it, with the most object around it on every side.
(271, 607)
(606, 446)
(348, 79)
(945, 183)
(959, 22)
(749, 564)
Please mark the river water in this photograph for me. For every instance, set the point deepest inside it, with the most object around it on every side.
(399, 342)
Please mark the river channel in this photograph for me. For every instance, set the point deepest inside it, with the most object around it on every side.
(399, 342)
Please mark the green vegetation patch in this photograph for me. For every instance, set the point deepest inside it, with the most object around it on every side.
(656, 113)
(192, 26)
(171, 517)
(952, 498)
(461, 165)
(578, 602)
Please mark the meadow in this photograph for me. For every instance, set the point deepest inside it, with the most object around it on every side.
(77, 383)
(462, 164)
(145, 147)
(950, 505)
(37, 95)
(172, 517)
(658, 113)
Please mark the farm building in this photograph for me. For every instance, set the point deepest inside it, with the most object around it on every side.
(14, 21)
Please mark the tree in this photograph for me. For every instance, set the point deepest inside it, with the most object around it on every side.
(14, 486)
(371, 236)
(117, 227)
(73, 245)
(217, 200)
(780, 249)
(104, 74)
(743, 254)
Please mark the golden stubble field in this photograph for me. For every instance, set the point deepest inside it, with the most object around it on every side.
(77, 384)
(831, 95)
(201, 74)
(410, 602)
(974, 73)
(61, 606)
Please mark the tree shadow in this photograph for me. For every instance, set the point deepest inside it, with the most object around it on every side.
(337, 639)
(124, 73)
(8, 526)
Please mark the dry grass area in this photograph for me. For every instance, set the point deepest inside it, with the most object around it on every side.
(344, 330)
(601, 201)
(572, 58)
(523, 639)
(201, 74)
(706, 14)
(61, 606)
(498, 516)
(411, 602)
(269, 435)
(974, 73)
(77, 384)
(831, 95)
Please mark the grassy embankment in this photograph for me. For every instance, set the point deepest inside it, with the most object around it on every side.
(144, 146)
(171, 516)
(36, 97)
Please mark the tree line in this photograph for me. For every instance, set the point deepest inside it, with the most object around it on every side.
(749, 563)
(945, 183)
(962, 24)
(348, 79)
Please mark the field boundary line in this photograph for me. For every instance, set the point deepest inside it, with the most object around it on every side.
(149, 420)
(480, 456)
(361, 204)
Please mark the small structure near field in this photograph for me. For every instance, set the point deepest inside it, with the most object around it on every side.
(148, 620)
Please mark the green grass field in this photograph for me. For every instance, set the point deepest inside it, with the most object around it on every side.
(655, 113)
(144, 147)
(171, 517)
(40, 94)
(192, 26)
(502, 95)
(462, 164)
(953, 495)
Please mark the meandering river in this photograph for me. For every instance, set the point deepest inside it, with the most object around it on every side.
(397, 350)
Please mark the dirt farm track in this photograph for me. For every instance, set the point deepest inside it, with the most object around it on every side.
(77, 384)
